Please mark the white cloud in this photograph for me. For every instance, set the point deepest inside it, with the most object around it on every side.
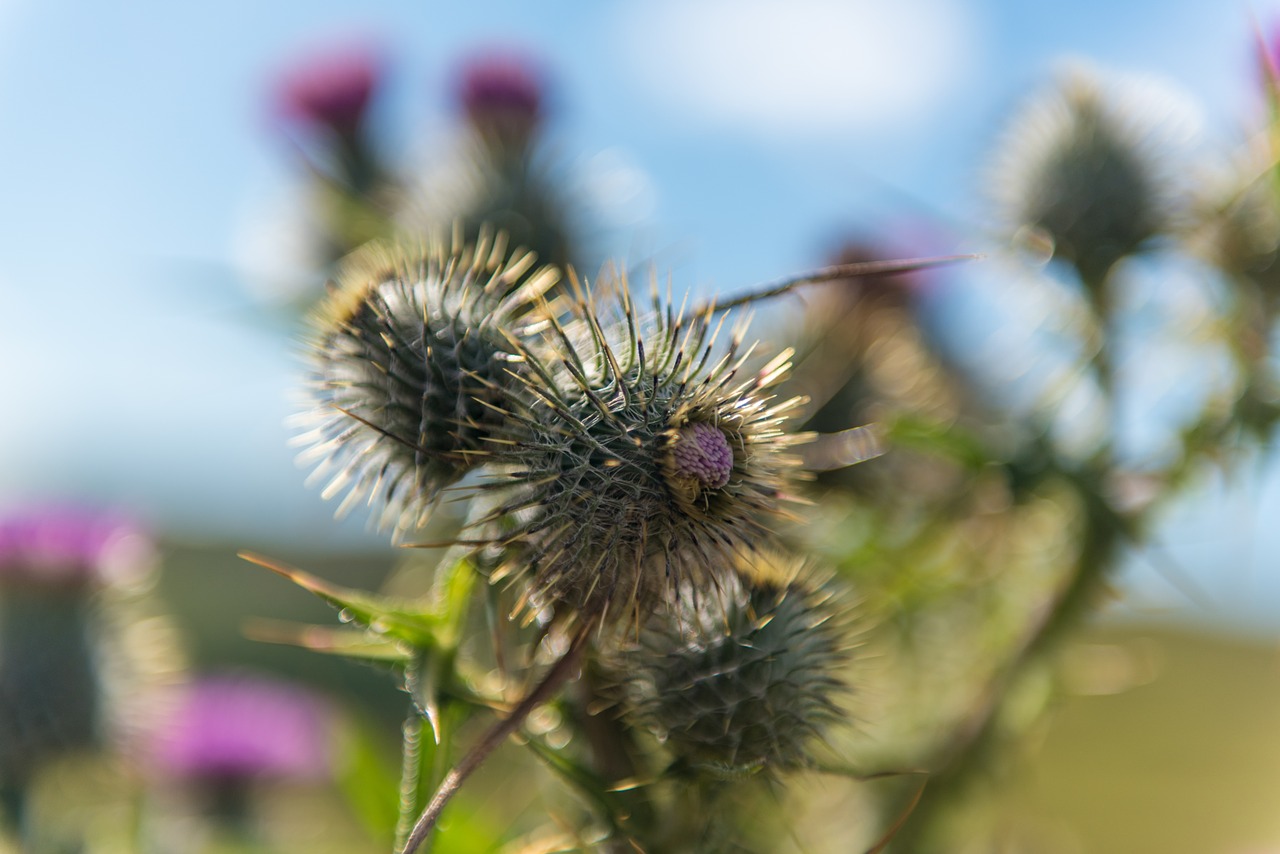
(802, 67)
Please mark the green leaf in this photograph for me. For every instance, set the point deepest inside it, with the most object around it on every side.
(349, 642)
(394, 618)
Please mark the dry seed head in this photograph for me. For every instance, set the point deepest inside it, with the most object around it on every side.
(640, 456)
(409, 365)
(739, 679)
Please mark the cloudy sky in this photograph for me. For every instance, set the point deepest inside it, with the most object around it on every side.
(731, 140)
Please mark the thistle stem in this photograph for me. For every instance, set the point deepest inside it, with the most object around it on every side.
(860, 270)
(559, 673)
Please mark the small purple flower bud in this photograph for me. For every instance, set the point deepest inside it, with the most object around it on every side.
(330, 90)
(701, 452)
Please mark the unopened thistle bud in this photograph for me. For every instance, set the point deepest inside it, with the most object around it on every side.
(639, 457)
(409, 370)
(741, 678)
(1087, 165)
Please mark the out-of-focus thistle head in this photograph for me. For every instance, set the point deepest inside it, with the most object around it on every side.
(410, 369)
(330, 91)
(1090, 165)
(229, 731)
(501, 95)
(72, 548)
(744, 677)
(639, 456)
(241, 726)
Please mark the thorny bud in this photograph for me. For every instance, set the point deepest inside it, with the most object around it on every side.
(410, 370)
(1089, 165)
(741, 678)
(639, 457)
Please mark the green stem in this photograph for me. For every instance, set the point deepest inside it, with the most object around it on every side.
(967, 753)
(410, 776)
(559, 673)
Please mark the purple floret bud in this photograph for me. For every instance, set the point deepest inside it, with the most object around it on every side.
(701, 451)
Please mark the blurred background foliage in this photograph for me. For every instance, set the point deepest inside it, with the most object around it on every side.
(1084, 416)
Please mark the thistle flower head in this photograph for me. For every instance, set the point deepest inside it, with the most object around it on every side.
(238, 726)
(501, 96)
(69, 546)
(1090, 165)
(331, 90)
(409, 370)
(638, 455)
(741, 679)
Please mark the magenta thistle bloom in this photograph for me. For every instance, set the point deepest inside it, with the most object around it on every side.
(242, 727)
(500, 83)
(331, 90)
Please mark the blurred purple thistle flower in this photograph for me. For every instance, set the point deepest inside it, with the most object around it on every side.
(242, 727)
(501, 95)
(330, 90)
(71, 546)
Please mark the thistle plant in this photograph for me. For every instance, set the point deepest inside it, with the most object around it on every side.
(227, 735)
(629, 468)
(624, 465)
(322, 102)
(500, 174)
(1090, 163)
(55, 562)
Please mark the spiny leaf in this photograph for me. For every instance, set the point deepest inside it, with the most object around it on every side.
(348, 642)
(392, 618)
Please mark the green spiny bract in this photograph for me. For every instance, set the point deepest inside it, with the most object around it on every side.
(739, 679)
(637, 460)
(409, 368)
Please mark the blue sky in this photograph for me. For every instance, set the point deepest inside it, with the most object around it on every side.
(136, 161)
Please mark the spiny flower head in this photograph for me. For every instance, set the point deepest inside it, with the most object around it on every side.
(1090, 165)
(410, 369)
(741, 678)
(638, 456)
